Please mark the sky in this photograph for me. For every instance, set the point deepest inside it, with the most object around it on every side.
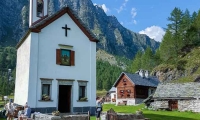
(146, 16)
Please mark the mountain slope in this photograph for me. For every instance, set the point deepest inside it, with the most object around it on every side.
(188, 69)
(114, 38)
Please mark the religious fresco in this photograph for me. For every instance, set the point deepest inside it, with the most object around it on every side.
(40, 8)
(65, 57)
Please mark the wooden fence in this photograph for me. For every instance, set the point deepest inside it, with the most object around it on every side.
(111, 115)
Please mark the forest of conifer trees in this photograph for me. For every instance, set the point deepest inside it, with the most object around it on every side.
(182, 33)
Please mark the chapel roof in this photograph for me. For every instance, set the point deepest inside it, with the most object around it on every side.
(151, 81)
(177, 90)
(46, 20)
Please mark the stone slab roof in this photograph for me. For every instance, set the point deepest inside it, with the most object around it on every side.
(177, 90)
(152, 81)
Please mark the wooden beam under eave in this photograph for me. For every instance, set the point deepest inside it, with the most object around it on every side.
(35, 30)
(94, 40)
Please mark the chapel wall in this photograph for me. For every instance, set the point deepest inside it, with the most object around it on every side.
(85, 60)
(22, 72)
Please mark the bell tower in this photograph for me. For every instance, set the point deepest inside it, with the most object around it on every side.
(38, 9)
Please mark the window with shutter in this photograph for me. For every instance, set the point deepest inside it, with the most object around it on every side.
(58, 56)
(65, 57)
(72, 58)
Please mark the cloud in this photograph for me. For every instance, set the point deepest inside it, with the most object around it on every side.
(105, 8)
(133, 12)
(133, 15)
(134, 22)
(121, 23)
(122, 6)
(154, 32)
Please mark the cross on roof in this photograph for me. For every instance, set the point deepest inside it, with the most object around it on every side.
(66, 28)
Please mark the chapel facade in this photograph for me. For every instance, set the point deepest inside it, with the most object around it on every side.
(56, 62)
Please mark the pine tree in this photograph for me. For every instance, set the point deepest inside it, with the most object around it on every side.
(175, 27)
(193, 17)
(168, 48)
(147, 59)
(136, 65)
(185, 25)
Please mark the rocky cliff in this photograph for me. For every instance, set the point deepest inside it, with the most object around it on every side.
(187, 69)
(114, 38)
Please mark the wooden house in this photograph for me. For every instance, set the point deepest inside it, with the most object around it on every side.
(132, 89)
(177, 96)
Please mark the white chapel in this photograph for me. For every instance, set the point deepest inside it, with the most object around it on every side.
(56, 62)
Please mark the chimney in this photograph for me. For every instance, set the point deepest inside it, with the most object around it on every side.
(137, 72)
(141, 73)
(146, 73)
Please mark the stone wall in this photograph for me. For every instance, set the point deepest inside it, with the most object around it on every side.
(75, 110)
(159, 104)
(183, 105)
(189, 105)
(61, 117)
(122, 116)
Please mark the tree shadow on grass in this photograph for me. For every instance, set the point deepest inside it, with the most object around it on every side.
(165, 117)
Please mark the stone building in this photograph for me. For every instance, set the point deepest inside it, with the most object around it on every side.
(177, 96)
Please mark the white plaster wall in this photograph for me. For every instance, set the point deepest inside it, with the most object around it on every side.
(116, 96)
(112, 97)
(85, 61)
(32, 99)
(130, 101)
(22, 72)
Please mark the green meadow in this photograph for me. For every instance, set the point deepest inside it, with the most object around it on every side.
(153, 115)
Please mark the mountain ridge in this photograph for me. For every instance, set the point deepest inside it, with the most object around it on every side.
(114, 38)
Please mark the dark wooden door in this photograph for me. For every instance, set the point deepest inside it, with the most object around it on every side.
(64, 101)
(173, 104)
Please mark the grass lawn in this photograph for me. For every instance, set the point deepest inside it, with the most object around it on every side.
(154, 115)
